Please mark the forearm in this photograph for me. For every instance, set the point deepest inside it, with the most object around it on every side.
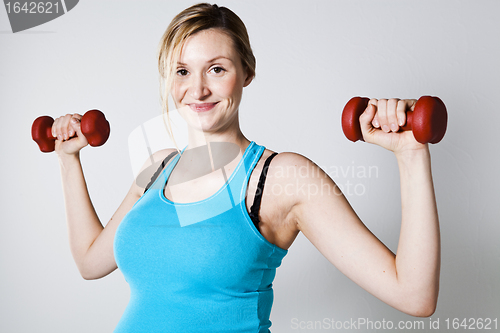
(418, 255)
(83, 223)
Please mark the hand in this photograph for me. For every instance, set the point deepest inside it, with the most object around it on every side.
(70, 139)
(381, 121)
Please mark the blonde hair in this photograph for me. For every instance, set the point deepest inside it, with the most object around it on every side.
(194, 19)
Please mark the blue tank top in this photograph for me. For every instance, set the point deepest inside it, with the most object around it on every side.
(197, 267)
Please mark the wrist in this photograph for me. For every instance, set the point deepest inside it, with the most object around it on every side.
(413, 153)
(66, 160)
(414, 161)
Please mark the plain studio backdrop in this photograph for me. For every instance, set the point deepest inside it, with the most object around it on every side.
(312, 57)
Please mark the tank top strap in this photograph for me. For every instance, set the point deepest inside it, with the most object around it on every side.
(254, 210)
(160, 169)
(162, 174)
(238, 185)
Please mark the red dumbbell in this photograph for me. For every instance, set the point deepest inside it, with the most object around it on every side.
(94, 126)
(428, 120)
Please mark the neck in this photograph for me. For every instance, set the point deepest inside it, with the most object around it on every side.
(233, 134)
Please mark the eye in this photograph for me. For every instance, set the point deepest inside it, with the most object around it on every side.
(182, 72)
(217, 70)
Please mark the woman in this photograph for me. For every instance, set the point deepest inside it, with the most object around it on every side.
(200, 250)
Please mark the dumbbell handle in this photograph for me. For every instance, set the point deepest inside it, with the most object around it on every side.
(94, 127)
(428, 121)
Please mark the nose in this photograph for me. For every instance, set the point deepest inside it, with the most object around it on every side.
(199, 89)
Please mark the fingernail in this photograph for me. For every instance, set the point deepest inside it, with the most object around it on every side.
(394, 127)
(385, 128)
(375, 123)
(401, 122)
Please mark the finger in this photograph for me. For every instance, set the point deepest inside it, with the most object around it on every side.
(77, 116)
(366, 120)
(375, 121)
(54, 128)
(401, 112)
(410, 104)
(57, 131)
(75, 124)
(60, 127)
(382, 115)
(65, 126)
(391, 111)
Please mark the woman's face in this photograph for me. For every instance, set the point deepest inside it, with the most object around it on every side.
(209, 81)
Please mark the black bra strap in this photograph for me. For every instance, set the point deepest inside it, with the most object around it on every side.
(254, 210)
(160, 168)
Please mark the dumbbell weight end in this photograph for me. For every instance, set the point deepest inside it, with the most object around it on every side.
(429, 120)
(95, 127)
(350, 117)
(41, 132)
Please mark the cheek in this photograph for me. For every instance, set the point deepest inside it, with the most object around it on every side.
(178, 91)
(230, 88)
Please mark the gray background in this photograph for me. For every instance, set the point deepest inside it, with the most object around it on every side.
(311, 58)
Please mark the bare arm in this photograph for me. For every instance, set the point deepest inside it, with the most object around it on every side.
(418, 258)
(83, 223)
(418, 255)
(409, 280)
(91, 244)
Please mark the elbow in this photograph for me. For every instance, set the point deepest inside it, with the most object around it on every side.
(420, 301)
(423, 311)
(421, 307)
(87, 275)
(88, 272)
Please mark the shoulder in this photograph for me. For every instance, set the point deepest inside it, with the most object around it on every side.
(151, 166)
(157, 158)
(290, 158)
(301, 179)
(160, 155)
(293, 182)
(282, 162)
(289, 165)
(293, 175)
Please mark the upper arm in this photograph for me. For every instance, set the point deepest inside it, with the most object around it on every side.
(100, 260)
(325, 217)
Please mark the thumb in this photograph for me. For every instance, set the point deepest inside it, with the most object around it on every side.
(76, 126)
(366, 118)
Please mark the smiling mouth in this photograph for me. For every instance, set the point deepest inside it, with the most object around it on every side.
(202, 107)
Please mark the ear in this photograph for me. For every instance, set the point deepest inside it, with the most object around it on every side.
(249, 79)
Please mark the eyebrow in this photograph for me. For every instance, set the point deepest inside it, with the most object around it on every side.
(211, 60)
